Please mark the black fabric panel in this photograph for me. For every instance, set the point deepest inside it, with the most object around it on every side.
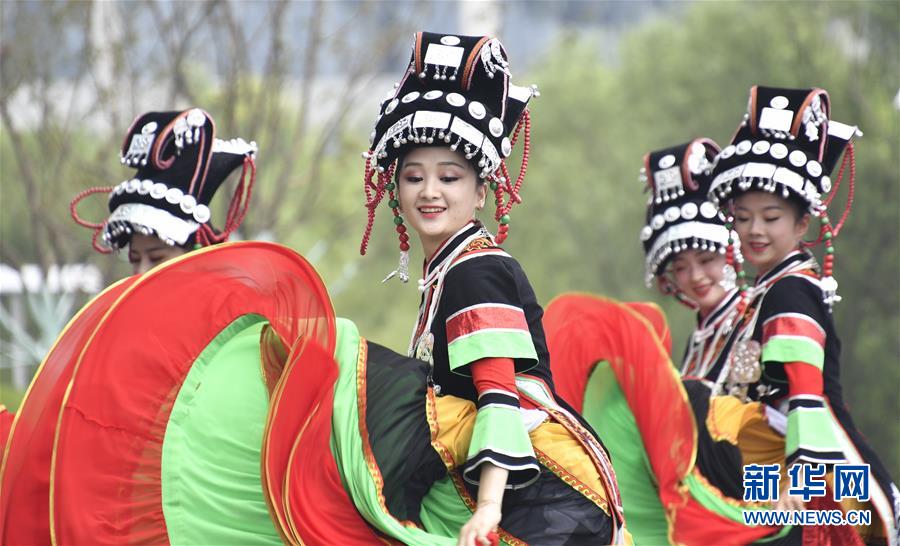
(497, 398)
(799, 295)
(720, 462)
(472, 470)
(398, 430)
(487, 279)
(550, 513)
(804, 403)
(878, 471)
(833, 456)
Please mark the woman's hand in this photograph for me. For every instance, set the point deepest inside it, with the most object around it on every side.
(484, 521)
(488, 512)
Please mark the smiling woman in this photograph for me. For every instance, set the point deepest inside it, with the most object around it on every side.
(442, 191)
(685, 242)
(773, 177)
(163, 211)
(512, 448)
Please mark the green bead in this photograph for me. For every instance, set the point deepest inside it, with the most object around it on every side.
(828, 235)
(728, 226)
(730, 241)
(829, 250)
(389, 186)
(745, 287)
(742, 274)
(393, 203)
(504, 219)
(494, 186)
(398, 220)
(197, 246)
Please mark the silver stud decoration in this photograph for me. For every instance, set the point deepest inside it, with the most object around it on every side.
(708, 210)
(797, 158)
(778, 150)
(496, 127)
(158, 191)
(689, 211)
(646, 233)
(477, 110)
(780, 102)
(173, 195)
(760, 147)
(188, 203)
(455, 99)
(201, 214)
(814, 168)
(672, 214)
(409, 97)
(666, 161)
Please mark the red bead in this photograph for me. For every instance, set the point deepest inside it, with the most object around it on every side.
(404, 237)
(401, 229)
(404, 246)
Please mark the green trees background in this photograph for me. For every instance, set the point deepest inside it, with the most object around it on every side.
(670, 79)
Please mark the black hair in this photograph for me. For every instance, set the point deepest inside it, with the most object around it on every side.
(402, 158)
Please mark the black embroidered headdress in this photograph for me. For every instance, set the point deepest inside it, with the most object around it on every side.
(180, 165)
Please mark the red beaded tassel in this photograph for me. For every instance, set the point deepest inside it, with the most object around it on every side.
(829, 233)
(502, 182)
(237, 209)
(375, 192)
(96, 227)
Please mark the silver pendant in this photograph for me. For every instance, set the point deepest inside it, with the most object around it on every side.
(729, 278)
(425, 347)
(744, 367)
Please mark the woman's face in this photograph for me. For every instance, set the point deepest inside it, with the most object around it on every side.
(698, 274)
(768, 228)
(439, 193)
(147, 251)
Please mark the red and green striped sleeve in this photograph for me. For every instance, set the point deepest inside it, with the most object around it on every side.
(793, 336)
(499, 437)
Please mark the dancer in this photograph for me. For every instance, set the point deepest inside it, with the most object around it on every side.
(440, 143)
(772, 178)
(685, 243)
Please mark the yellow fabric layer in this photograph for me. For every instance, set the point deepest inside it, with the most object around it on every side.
(557, 448)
